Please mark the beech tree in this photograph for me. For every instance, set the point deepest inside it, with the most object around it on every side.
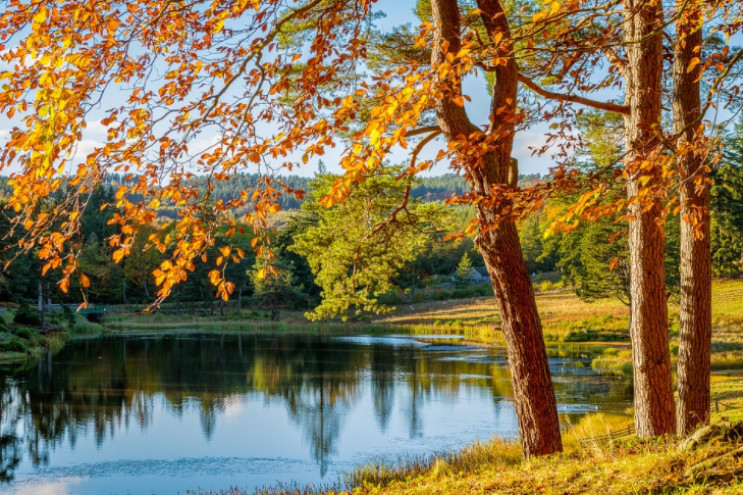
(168, 74)
(209, 88)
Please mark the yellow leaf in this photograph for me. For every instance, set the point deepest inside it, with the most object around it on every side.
(40, 16)
(374, 137)
(84, 280)
(694, 62)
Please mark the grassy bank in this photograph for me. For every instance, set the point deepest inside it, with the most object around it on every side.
(625, 465)
(566, 319)
(247, 321)
(602, 325)
(21, 340)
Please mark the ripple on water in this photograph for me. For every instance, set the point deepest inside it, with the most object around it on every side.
(186, 466)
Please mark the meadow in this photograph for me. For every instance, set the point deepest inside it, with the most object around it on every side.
(566, 319)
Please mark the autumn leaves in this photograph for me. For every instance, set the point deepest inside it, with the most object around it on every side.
(211, 88)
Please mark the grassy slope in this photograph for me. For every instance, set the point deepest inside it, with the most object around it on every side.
(632, 467)
(568, 319)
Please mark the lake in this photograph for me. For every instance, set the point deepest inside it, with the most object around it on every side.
(169, 414)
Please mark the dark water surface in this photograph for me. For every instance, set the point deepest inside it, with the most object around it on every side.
(167, 414)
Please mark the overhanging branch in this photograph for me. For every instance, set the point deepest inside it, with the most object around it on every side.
(601, 105)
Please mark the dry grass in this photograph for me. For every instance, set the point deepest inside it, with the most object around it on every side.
(626, 466)
(564, 316)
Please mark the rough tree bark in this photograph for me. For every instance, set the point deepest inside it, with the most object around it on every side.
(695, 335)
(654, 402)
(499, 241)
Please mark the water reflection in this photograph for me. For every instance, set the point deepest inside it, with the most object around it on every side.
(102, 409)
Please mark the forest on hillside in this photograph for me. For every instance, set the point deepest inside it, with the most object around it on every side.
(579, 259)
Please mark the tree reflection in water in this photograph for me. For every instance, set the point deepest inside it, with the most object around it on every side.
(106, 387)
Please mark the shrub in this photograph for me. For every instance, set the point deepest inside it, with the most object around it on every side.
(26, 315)
(24, 333)
(11, 343)
(69, 315)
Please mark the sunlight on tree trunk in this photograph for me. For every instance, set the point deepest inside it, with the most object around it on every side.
(654, 402)
(695, 334)
(498, 240)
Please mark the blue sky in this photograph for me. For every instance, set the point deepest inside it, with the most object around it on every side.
(398, 12)
(401, 12)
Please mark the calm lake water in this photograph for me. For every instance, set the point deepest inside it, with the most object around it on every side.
(170, 414)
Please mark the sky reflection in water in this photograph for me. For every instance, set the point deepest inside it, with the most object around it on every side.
(168, 414)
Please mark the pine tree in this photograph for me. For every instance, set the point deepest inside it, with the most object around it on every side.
(465, 272)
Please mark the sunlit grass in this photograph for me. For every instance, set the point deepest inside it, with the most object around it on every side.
(565, 318)
(623, 466)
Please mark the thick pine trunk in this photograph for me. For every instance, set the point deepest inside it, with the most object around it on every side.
(654, 402)
(498, 241)
(695, 335)
(536, 406)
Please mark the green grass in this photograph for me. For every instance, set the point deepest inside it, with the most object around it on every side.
(24, 344)
(248, 322)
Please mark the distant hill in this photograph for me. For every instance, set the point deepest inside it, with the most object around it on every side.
(436, 188)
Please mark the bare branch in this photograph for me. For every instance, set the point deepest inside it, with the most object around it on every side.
(601, 105)
(424, 130)
(421, 145)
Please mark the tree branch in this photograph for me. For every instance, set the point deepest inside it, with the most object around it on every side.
(421, 145)
(601, 105)
(423, 130)
(614, 59)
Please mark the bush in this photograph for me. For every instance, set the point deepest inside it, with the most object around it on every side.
(24, 333)
(69, 315)
(26, 315)
(11, 343)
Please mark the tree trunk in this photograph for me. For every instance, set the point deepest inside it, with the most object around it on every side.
(654, 406)
(274, 308)
(695, 335)
(536, 406)
(42, 309)
(498, 241)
